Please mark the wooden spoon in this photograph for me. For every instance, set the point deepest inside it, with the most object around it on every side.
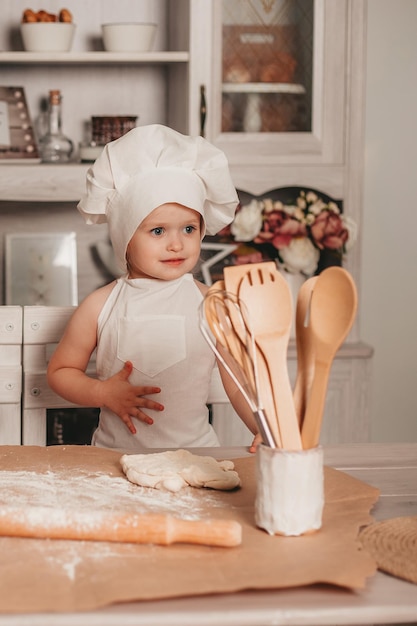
(332, 312)
(268, 302)
(305, 354)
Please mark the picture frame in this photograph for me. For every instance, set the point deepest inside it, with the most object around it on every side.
(17, 135)
(41, 269)
(213, 255)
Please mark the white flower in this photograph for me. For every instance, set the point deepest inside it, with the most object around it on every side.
(268, 205)
(300, 256)
(301, 202)
(311, 196)
(333, 207)
(292, 210)
(310, 219)
(248, 222)
(317, 207)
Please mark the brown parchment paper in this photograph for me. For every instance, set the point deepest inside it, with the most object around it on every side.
(52, 575)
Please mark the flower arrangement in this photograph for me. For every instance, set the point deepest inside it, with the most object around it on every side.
(294, 234)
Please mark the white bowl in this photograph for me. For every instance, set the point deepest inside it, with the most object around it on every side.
(47, 36)
(128, 37)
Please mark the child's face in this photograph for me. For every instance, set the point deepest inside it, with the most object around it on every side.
(166, 244)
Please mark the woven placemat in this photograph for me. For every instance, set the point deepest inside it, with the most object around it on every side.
(393, 545)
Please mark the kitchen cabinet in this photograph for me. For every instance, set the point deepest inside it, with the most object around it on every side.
(166, 86)
(322, 139)
(328, 156)
(152, 86)
(319, 157)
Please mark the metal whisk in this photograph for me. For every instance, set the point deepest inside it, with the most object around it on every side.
(241, 362)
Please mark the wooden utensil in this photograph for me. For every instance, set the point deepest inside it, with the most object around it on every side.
(268, 301)
(49, 523)
(332, 312)
(305, 354)
(233, 275)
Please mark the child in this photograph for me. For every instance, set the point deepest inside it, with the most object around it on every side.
(160, 193)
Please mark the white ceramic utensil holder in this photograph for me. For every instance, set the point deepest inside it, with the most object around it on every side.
(289, 491)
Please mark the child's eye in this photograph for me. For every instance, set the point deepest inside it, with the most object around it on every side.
(190, 229)
(157, 231)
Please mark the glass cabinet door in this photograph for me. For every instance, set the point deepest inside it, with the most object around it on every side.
(273, 78)
(267, 63)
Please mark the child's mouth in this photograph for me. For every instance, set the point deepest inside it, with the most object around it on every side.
(173, 261)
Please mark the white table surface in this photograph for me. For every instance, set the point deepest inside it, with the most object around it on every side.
(386, 600)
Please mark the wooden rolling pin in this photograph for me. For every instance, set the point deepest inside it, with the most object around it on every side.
(49, 523)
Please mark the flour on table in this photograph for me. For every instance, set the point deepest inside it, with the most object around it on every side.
(173, 470)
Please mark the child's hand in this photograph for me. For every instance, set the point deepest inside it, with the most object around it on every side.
(127, 400)
(255, 443)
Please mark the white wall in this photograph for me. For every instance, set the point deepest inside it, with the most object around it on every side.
(389, 229)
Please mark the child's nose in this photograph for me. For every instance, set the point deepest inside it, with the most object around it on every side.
(175, 242)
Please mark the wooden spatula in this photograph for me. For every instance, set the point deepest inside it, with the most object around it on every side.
(268, 302)
(332, 313)
(233, 274)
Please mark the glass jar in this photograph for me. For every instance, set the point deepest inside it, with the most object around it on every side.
(54, 146)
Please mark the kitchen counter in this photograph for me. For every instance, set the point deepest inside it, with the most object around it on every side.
(392, 468)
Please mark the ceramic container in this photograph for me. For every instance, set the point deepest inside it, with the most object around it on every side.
(47, 36)
(289, 490)
(128, 37)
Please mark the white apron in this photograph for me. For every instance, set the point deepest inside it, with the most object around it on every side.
(154, 324)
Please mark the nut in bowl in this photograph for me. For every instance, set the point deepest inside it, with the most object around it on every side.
(128, 37)
(47, 36)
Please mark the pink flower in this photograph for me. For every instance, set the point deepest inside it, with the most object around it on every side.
(329, 231)
(279, 229)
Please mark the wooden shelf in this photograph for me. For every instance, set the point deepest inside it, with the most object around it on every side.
(85, 58)
(31, 182)
(259, 88)
(64, 183)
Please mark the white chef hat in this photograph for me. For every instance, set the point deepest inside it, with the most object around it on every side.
(150, 166)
